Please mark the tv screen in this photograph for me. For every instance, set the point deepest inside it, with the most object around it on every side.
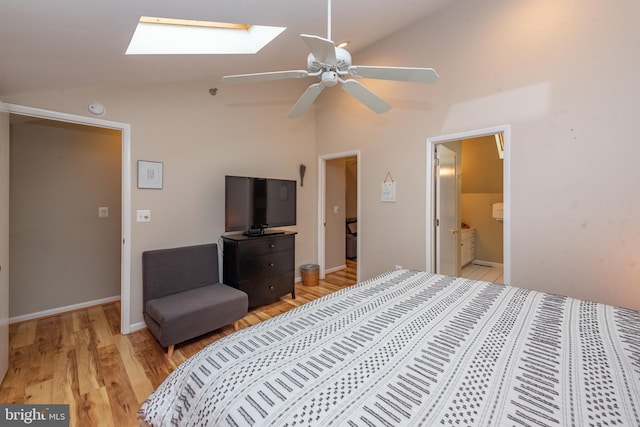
(259, 203)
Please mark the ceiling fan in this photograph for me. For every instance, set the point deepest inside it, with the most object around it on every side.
(332, 65)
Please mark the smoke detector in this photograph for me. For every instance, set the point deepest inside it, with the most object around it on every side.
(96, 108)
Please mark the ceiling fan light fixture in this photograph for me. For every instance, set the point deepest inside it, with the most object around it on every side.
(329, 78)
(343, 44)
(331, 63)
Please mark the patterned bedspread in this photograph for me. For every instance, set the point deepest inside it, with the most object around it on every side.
(413, 348)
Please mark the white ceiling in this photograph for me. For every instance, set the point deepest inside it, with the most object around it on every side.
(62, 44)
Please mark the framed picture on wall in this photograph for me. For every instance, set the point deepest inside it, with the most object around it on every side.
(149, 174)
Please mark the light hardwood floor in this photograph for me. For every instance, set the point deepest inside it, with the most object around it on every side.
(80, 358)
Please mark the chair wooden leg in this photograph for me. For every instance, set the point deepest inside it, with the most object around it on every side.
(170, 351)
(236, 326)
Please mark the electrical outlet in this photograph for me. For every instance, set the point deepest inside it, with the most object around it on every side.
(103, 212)
(398, 267)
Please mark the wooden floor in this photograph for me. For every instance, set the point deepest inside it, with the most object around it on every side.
(81, 359)
(484, 273)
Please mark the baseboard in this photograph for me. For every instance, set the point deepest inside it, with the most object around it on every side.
(334, 269)
(487, 263)
(137, 326)
(59, 310)
(298, 279)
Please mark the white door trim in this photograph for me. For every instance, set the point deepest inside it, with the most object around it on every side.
(125, 254)
(430, 196)
(322, 174)
(4, 240)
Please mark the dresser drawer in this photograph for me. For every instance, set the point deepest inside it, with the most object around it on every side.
(265, 246)
(271, 264)
(267, 290)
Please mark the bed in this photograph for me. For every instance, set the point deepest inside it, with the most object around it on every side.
(414, 348)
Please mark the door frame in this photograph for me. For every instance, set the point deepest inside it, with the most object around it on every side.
(4, 235)
(322, 184)
(125, 252)
(430, 249)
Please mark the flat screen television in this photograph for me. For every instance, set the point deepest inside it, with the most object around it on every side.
(253, 205)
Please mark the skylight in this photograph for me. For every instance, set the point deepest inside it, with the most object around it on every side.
(165, 36)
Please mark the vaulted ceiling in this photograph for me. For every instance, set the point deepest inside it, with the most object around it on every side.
(64, 44)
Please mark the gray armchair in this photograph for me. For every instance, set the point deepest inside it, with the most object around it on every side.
(182, 295)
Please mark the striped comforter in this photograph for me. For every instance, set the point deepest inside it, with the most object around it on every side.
(413, 348)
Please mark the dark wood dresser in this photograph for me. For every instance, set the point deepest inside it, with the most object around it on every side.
(261, 266)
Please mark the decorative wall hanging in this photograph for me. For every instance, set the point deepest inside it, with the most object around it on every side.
(388, 189)
(303, 168)
(149, 174)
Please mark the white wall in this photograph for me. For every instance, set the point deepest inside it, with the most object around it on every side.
(564, 75)
(200, 138)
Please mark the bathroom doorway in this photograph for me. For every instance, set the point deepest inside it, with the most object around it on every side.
(473, 234)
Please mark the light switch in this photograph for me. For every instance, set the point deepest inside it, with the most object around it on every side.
(143, 215)
(336, 209)
(103, 212)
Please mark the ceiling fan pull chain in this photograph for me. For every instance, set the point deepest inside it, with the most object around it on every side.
(329, 20)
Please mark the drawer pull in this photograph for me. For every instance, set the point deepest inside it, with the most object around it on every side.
(271, 287)
(271, 264)
(271, 245)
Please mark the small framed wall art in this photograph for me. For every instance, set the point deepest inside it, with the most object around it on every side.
(149, 174)
(388, 193)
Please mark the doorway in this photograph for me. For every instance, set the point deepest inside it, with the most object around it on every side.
(446, 234)
(332, 226)
(125, 253)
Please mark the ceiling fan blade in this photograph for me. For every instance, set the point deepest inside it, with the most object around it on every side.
(305, 100)
(322, 49)
(260, 77)
(403, 74)
(364, 95)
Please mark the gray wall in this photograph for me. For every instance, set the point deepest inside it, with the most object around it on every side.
(61, 252)
(335, 235)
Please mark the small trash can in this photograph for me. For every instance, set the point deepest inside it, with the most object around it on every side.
(310, 274)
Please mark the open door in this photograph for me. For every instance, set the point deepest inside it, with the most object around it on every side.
(4, 241)
(447, 228)
(437, 183)
(322, 208)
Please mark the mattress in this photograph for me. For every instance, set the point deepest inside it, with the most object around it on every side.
(414, 348)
